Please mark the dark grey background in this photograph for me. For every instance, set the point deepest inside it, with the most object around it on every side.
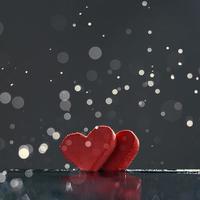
(34, 33)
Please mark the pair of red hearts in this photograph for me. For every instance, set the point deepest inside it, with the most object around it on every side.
(101, 149)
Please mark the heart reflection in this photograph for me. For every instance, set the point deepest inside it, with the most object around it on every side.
(104, 186)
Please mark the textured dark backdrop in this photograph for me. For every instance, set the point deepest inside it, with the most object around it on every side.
(46, 47)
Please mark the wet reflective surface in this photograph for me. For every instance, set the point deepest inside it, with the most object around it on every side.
(45, 185)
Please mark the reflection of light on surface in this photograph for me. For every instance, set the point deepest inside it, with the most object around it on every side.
(68, 187)
(16, 183)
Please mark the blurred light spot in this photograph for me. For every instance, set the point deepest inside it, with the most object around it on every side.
(127, 87)
(67, 166)
(67, 116)
(157, 91)
(28, 173)
(150, 83)
(89, 23)
(149, 49)
(91, 75)
(189, 123)
(180, 63)
(12, 126)
(173, 110)
(149, 32)
(89, 102)
(114, 91)
(172, 76)
(178, 106)
(167, 47)
(95, 53)
(128, 31)
(43, 147)
(189, 75)
(2, 178)
(162, 113)
(85, 129)
(141, 72)
(77, 88)
(23, 152)
(5, 97)
(115, 64)
(16, 183)
(144, 3)
(141, 104)
(180, 51)
(64, 95)
(152, 75)
(108, 101)
(63, 57)
(88, 144)
(98, 114)
(56, 135)
(50, 131)
(65, 105)
(18, 102)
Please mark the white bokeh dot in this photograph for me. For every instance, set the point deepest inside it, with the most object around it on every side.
(189, 123)
(149, 49)
(162, 113)
(43, 148)
(180, 51)
(172, 76)
(108, 100)
(141, 104)
(77, 88)
(141, 72)
(189, 75)
(157, 91)
(89, 102)
(127, 87)
(67, 166)
(56, 135)
(150, 83)
(144, 3)
(180, 63)
(114, 91)
(23, 152)
(167, 47)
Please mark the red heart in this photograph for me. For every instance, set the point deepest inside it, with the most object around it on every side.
(125, 151)
(89, 152)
